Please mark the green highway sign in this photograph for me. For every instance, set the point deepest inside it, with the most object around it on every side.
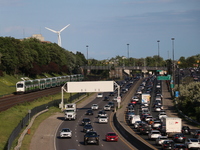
(168, 77)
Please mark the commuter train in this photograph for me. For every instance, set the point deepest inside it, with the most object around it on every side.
(45, 83)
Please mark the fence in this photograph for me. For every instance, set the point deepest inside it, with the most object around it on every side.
(24, 122)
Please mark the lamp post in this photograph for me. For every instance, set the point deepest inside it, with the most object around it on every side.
(173, 72)
(158, 51)
(128, 53)
(87, 53)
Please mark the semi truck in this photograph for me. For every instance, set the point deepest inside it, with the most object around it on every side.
(70, 111)
(171, 125)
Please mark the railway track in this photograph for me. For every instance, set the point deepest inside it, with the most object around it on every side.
(12, 100)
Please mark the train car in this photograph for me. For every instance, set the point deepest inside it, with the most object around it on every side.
(41, 84)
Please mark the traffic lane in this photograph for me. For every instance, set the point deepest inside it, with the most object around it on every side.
(75, 125)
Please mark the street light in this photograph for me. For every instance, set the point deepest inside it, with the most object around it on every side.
(87, 53)
(128, 53)
(158, 51)
(173, 60)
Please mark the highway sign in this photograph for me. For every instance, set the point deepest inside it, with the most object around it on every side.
(168, 77)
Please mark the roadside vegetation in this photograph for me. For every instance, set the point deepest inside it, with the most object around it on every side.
(189, 100)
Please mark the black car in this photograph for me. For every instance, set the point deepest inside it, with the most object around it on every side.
(91, 137)
(179, 138)
(89, 112)
(168, 144)
(111, 94)
(87, 127)
(180, 146)
(112, 104)
(197, 134)
(86, 121)
(145, 129)
(185, 130)
(106, 98)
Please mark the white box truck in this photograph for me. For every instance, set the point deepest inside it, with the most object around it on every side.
(171, 125)
(70, 111)
(145, 98)
(134, 119)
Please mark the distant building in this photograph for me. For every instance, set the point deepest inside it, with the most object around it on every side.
(39, 37)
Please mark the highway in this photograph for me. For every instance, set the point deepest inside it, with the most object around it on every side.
(77, 140)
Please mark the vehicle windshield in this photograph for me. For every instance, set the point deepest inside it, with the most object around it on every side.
(20, 85)
(65, 130)
(91, 133)
(111, 134)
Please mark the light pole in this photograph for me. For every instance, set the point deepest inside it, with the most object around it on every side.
(173, 72)
(128, 53)
(158, 51)
(87, 53)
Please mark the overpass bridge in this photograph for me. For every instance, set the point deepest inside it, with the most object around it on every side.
(118, 71)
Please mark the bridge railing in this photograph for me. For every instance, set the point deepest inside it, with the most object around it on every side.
(123, 67)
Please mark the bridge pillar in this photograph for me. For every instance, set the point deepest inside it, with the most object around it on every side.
(117, 73)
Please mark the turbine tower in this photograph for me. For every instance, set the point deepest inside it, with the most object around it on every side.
(58, 32)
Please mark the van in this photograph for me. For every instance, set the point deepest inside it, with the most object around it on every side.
(134, 119)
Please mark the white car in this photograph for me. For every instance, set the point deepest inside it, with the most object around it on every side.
(94, 107)
(162, 114)
(100, 95)
(103, 119)
(161, 139)
(193, 143)
(107, 107)
(158, 108)
(65, 133)
(154, 134)
(148, 118)
(156, 124)
(135, 98)
(115, 98)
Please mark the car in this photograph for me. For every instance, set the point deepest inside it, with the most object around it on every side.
(111, 94)
(137, 124)
(103, 119)
(148, 117)
(193, 143)
(145, 129)
(89, 112)
(65, 133)
(168, 144)
(156, 124)
(130, 109)
(106, 98)
(94, 107)
(158, 108)
(185, 130)
(99, 95)
(91, 137)
(180, 147)
(135, 98)
(130, 115)
(86, 121)
(196, 134)
(112, 104)
(102, 113)
(111, 136)
(161, 139)
(107, 107)
(154, 134)
(162, 114)
(87, 127)
(179, 138)
(115, 98)
(134, 102)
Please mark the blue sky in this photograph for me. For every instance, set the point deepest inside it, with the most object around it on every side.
(108, 26)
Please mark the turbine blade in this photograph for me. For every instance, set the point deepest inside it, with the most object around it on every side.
(51, 30)
(64, 28)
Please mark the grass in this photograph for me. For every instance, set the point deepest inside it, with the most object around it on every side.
(27, 139)
(11, 117)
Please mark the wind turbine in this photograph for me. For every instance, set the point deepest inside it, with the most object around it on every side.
(58, 32)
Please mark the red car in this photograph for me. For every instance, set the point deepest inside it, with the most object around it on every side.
(111, 136)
